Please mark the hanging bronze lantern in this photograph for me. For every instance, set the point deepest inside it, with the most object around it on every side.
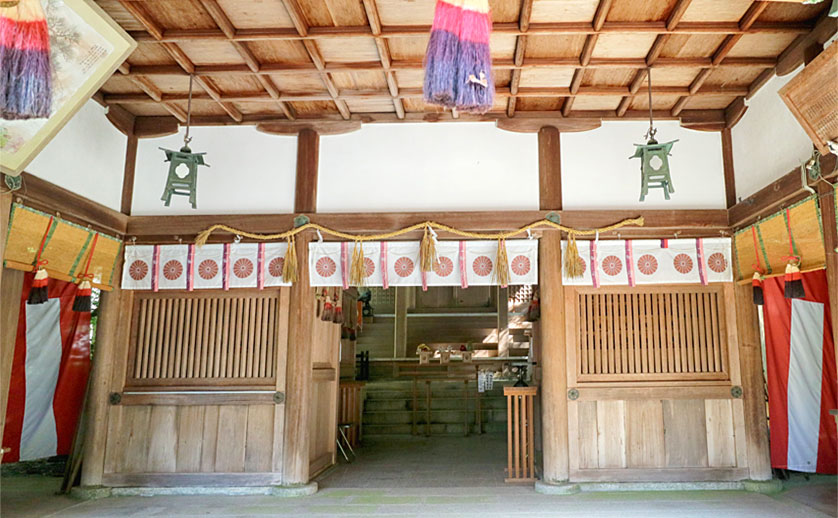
(183, 184)
(654, 157)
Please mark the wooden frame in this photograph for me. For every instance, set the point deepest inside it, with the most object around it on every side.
(192, 344)
(98, 25)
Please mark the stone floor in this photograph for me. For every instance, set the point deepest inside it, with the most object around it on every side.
(440, 477)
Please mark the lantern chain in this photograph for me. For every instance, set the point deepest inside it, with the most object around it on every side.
(650, 134)
(187, 139)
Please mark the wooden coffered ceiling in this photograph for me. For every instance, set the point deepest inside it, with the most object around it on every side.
(289, 62)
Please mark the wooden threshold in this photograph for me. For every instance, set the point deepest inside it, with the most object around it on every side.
(190, 479)
(686, 474)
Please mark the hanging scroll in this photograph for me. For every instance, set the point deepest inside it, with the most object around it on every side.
(652, 261)
(215, 266)
(396, 263)
(66, 247)
(767, 245)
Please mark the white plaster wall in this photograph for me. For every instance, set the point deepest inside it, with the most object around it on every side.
(428, 167)
(597, 173)
(86, 157)
(250, 173)
(768, 142)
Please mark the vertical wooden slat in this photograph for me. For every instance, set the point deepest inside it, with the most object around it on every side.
(156, 337)
(200, 340)
(226, 339)
(246, 366)
(516, 426)
(591, 334)
(259, 345)
(641, 321)
(714, 313)
(688, 331)
(696, 337)
(187, 371)
(216, 322)
(584, 335)
(635, 333)
(682, 332)
(236, 355)
(656, 331)
(667, 331)
(510, 424)
(141, 338)
(162, 349)
(531, 436)
(523, 433)
(272, 323)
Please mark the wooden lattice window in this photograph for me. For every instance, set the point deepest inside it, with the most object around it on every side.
(650, 333)
(204, 339)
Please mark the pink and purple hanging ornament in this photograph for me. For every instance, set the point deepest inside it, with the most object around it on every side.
(474, 86)
(441, 54)
(25, 71)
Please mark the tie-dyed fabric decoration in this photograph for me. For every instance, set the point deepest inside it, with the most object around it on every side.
(25, 71)
(458, 62)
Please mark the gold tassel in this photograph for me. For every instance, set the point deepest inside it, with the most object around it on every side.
(502, 264)
(427, 252)
(203, 236)
(573, 266)
(356, 271)
(289, 267)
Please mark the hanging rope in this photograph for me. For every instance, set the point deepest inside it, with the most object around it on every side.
(202, 237)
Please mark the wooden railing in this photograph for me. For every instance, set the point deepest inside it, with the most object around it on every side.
(650, 333)
(203, 339)
(520, 431)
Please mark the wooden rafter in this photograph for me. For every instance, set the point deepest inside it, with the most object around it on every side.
(325, 43)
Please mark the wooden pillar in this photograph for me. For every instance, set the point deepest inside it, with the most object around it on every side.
(553, 360)
(503, 321)
(308, 156)
(549, 169)
(11, 285)
(128, 174)
(400, 325)
(753, 386)
(830, 241)
(104, 360)
(298, 373)
(727, 163)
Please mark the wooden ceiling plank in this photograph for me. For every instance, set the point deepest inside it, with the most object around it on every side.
(757, 83)
(751, 15)
(518, 58)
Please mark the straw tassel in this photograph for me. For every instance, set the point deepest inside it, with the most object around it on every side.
(337, 318)
(328, 312)
(289, 267)
(756, 283)
(441, 54)
(474, 84)
(573, 266)
(25, 70)
(793, 280)
(427, 251)
(356, 271)
(502, 265)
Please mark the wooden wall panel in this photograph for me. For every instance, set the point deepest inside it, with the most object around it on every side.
(162, 440)
(611, 434)
(230, 443)
(190, 428)
(721, 444)
(685, 433)
(644, 434)
(588, 444)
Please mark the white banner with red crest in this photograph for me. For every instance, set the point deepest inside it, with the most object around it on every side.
(652, 261)
(397, 263)
(212, 266)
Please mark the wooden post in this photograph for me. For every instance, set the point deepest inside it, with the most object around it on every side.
(549, 169)
(308, 155)
(400, 325)
(110, 307)
(128, 175)
(727, 162)
(503, 321)
(11, 285)
(830, 242)
(298, 384)
(753, 386)
(553, 360)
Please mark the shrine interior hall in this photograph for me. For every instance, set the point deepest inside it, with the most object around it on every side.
(403, 258)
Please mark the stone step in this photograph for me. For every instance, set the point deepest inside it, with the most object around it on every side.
(375, 430)
(394, 417)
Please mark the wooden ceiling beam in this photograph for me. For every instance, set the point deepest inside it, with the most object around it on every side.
(656, 222)
(518, 59)
(513, 28)
(415, 93)
(180, 57)
(748, 20)
(586, 55)
(216, 12)
(498, 64)
(793, 56)
(300, 24)
(384, 57)
(757, 83)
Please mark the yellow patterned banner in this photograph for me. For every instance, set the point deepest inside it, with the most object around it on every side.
(67, 248)
(767, 244)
